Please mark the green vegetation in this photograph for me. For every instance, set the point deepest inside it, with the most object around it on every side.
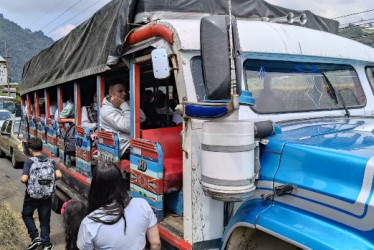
(362, 35)
(22, 45)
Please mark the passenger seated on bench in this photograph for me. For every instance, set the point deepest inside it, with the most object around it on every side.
(52, 108)
(163, 110)
(148, 106)
(67, 114)
(115, 115)
(89, 115)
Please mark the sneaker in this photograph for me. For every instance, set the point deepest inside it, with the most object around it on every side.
(48, 247)
(35, 243)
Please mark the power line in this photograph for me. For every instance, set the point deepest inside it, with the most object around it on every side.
(361, 21)
(48, 12)
(352, 14)
(82, 20)
(75, 23)
(61, 14)
(57, 27)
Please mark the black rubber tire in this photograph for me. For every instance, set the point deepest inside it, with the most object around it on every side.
(56, 204)
(15, 163)
(2, 154)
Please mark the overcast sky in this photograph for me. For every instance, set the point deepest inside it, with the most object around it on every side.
(58, 17)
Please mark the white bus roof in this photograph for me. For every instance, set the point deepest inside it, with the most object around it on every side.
(266, 37)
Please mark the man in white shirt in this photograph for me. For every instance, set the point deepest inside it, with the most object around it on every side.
(115, 115)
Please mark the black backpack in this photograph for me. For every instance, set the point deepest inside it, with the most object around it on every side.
(69, 140)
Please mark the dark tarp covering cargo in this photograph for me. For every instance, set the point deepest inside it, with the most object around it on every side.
(96, 44)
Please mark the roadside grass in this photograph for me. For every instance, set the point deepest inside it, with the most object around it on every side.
(13, 235)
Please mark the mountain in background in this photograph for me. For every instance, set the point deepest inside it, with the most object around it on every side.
(360, 34)
(22, 45)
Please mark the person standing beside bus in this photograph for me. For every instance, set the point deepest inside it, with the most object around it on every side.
(114, 220)
(115, 115)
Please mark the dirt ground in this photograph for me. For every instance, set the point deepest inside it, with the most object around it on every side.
(13, 233)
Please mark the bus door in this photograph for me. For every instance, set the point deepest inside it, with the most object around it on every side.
(156, 156)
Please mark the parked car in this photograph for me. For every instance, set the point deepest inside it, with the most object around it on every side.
(4, 115)
(10, 141)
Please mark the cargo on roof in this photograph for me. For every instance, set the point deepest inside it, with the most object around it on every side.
(96, 45)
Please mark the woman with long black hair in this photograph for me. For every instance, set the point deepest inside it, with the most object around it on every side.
(115, 221)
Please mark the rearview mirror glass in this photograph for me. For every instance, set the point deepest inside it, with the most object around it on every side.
(160, 63)
(215, 47)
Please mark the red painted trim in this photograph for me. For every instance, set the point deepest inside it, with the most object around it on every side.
(78, 106)
(28, 104)
(150, 31)
(22, 101)
(102, 89)
(37, 107)
(75, 175)
(173, 239)
(137, 100)
(47, 103)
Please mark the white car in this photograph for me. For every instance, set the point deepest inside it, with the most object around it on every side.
(4, 115)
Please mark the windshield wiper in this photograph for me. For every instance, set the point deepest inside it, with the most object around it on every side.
(334, 96)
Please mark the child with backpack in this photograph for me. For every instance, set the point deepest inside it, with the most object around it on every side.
(39, 174)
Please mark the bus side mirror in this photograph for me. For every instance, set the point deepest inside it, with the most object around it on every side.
(160, 63)
(215, 47)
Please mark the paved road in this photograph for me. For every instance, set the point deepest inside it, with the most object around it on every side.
(12, 191)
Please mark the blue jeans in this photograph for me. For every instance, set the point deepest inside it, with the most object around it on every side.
(44, 211)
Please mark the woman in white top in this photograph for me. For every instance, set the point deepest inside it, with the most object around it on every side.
(115, 221)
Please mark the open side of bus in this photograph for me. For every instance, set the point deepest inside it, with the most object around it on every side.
(155, 168)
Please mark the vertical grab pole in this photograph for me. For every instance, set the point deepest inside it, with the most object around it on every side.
(36, 101)
(100, 95)
(28, 104)
(47, 104)
(135, 99)
(77, 101)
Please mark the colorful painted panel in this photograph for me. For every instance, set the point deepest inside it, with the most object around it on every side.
(52, 145)
(147, 173)
(108, 147)
(32, 126)
(41, 129)
(83, 151)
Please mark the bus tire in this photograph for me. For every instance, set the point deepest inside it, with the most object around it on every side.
(243, 238)
(56, 204)
(2, 154)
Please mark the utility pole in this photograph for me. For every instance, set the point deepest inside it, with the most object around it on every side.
(7, 68)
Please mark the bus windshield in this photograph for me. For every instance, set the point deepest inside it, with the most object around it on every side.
(281, 87)
(8, 104)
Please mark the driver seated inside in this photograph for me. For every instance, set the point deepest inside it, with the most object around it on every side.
(268, 101)
(115, 115)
